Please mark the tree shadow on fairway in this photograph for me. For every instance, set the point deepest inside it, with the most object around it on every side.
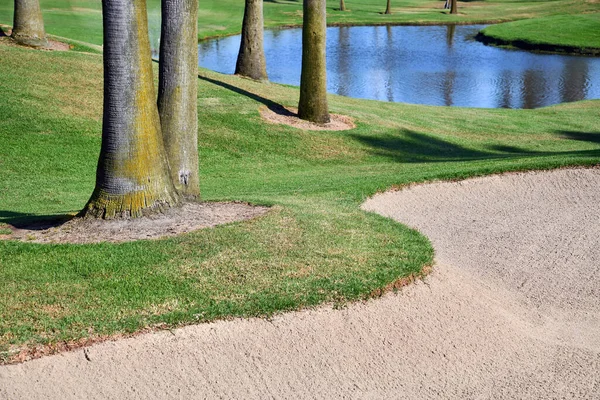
(590, 137)
(271, 105)
(414, 147)
(33, 222)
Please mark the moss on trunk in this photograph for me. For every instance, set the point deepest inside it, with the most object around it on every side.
(132, 178)
(28, 24)
(251, 57)
(178, 93)
(313, 81)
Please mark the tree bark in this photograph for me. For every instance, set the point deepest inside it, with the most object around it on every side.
(313, 80)
(453, 7)
(251, 57)
(28, 24)
(342, 5)
(178, 93)
(132, 178)
(388, 9)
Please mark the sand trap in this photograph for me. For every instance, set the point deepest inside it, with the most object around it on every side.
(511, 310)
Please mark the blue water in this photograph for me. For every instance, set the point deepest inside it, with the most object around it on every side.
(435, 65)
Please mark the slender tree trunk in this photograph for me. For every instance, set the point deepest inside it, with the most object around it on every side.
(388, 9)
(132, 178)
(251, 58)
(342, 5)
(453, 7)
(178, 92)
(313, 81)
(28, 24)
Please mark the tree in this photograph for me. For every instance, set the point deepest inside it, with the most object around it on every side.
(178, 93)
(388, 9)
(251, 58)
(28, 24)
(453, 7)
(132, 177)
(313, 80)
(342, 5)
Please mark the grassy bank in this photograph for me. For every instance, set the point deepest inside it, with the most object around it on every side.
(315, 245)
(559, 33)
(81, 19)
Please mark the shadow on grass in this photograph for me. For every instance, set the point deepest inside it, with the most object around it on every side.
(415, 147)
(273, 106)
(33, 222)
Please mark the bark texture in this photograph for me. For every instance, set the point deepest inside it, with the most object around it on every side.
(453, 7)
(388, 8)
(28, 24)
(178, 93)
(251, 58)
(132, 178)
(342, 5)
(313, 81)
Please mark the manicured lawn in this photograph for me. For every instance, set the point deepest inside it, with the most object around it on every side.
(573, 33)
(315, 246)
(81, 19)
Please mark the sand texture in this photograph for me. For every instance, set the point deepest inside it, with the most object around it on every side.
(510, 311)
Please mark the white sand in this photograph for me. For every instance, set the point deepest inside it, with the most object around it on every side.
(511, 311)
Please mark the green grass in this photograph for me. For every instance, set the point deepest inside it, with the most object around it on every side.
(571, 33)
(81, 19)
(315, 246)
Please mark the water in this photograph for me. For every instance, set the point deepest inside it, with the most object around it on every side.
(435, 65)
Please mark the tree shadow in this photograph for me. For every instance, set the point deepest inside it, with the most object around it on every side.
(32, 221)
(590, 137)
(271, 105)
(414, 147)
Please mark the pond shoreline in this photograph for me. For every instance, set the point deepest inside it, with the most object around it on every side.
(522, 44)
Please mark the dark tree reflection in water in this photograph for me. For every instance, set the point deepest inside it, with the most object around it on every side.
(436, 65)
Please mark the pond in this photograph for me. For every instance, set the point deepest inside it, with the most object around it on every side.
(435, 65)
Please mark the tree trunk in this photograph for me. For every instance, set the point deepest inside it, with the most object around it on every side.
(342, 5)
(178, 92)
(28, 24)
(388, 9)
(453, 7)
(132, 178)
(313, 81)
(251, 58)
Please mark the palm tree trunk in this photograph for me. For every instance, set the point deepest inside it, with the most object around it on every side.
(132, 178)
(342, 5)
(313, 80)
(388, 9)
(178, 92)
(453, 7)
(251, 58)
(28, 24)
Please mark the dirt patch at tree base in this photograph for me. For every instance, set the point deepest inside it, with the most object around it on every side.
(289, 116)
(187, 218)
(53, 45)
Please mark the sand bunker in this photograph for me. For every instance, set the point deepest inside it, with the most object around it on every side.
(511, 310)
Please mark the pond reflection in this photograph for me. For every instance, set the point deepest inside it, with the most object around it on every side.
(436, 65)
